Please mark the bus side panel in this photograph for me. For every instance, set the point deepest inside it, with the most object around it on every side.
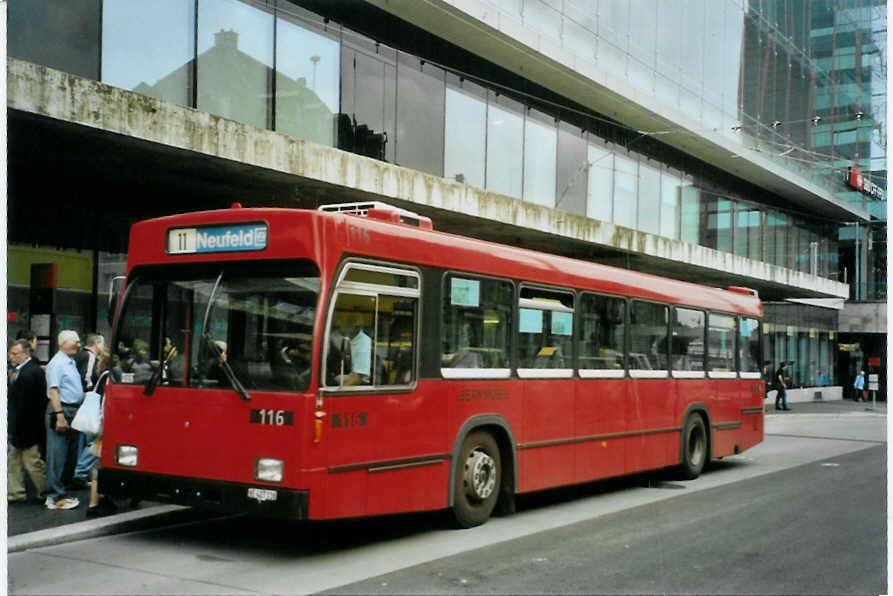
(725, 411)
(548, 417)
(420, 488)
(368, 435)
(600, 410)
(653, 413)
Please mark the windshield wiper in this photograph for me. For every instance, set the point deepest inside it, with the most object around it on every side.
(226, 368)
(152, 383)
(209, 338)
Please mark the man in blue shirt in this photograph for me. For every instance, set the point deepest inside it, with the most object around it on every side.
(66, 392)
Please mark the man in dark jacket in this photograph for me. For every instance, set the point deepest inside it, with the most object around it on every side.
(27, 403)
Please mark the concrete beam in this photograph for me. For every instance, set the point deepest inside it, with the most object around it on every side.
(337, 175)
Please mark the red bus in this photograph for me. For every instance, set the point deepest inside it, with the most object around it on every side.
(351, 361)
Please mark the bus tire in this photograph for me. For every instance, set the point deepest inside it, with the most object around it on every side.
(694, 447)
(478, 479)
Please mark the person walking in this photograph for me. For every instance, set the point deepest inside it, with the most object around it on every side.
(66, 391)
(87, 360)
(859, 386)
(27, 402)
(781, 386)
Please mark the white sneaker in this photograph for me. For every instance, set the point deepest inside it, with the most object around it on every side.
(64, 503)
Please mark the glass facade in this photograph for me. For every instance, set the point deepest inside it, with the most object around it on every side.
(272, 64)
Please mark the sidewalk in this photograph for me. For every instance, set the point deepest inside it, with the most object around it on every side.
(30, 525)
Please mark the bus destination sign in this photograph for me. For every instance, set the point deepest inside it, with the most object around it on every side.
(228, 238)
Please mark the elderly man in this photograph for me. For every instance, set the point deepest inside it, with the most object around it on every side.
(27, 402)
(66, 391)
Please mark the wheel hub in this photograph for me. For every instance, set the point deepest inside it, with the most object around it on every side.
(480, 475)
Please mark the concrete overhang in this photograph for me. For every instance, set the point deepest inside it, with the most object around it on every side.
(482, 29)
(155, 157)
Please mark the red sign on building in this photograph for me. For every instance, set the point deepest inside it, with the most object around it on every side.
(857, 180)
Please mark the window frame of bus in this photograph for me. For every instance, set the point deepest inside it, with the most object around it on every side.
(758, 374)
(531, 304)
(602, 373)
(722, 374)
(479, 373)
(689, 374)
(640, 373)
(374, 290)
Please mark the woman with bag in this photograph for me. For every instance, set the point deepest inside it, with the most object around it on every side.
(99, 505)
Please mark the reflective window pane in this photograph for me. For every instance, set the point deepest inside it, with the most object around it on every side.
(308, 72)
(649, 200)
(420, 112)
(600, 184)
(369, 100)
(690, 215)
(235, 60)
(61, 35)
(150, 50)
(540, 149)
(571, 171)
(669, 205)
(504, 149)
(464, 138)
(625, 183)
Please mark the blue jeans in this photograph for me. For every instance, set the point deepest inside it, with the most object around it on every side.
(86, 460)
(61, 447)
(782, 396)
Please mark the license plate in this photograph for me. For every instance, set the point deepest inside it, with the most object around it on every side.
(262, 494)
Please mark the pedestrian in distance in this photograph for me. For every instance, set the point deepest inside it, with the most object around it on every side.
(859, 387)
(66, 392)
(25, 431)
(31, 338)
(781, 385)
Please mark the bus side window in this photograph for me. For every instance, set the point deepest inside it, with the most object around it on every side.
(477, 323)
(648, 336)
(721, 349)
(395, 343)
(349, 360)
(602, 333)
(687, 343)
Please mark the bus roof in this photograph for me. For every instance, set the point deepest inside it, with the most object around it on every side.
(360, 236)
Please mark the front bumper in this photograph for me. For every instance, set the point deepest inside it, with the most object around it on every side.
(227, 497)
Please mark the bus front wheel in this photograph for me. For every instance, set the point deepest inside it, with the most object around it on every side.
(477, 481)
(694, 447)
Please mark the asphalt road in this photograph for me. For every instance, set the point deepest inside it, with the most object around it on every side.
(804, 512)
(819, 528)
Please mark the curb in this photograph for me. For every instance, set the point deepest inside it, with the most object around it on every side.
(103, 526)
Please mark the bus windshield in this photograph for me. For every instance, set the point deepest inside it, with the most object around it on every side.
(260, 323)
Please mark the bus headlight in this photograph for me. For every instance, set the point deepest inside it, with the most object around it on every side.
(126, 455)
(268, 470)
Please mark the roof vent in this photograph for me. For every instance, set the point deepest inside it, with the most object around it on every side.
(381, 211)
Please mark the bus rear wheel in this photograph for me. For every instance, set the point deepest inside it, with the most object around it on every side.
(478, 478)
(694, 447)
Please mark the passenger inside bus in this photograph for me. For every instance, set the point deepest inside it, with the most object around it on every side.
(352, 346)
(213, 367)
